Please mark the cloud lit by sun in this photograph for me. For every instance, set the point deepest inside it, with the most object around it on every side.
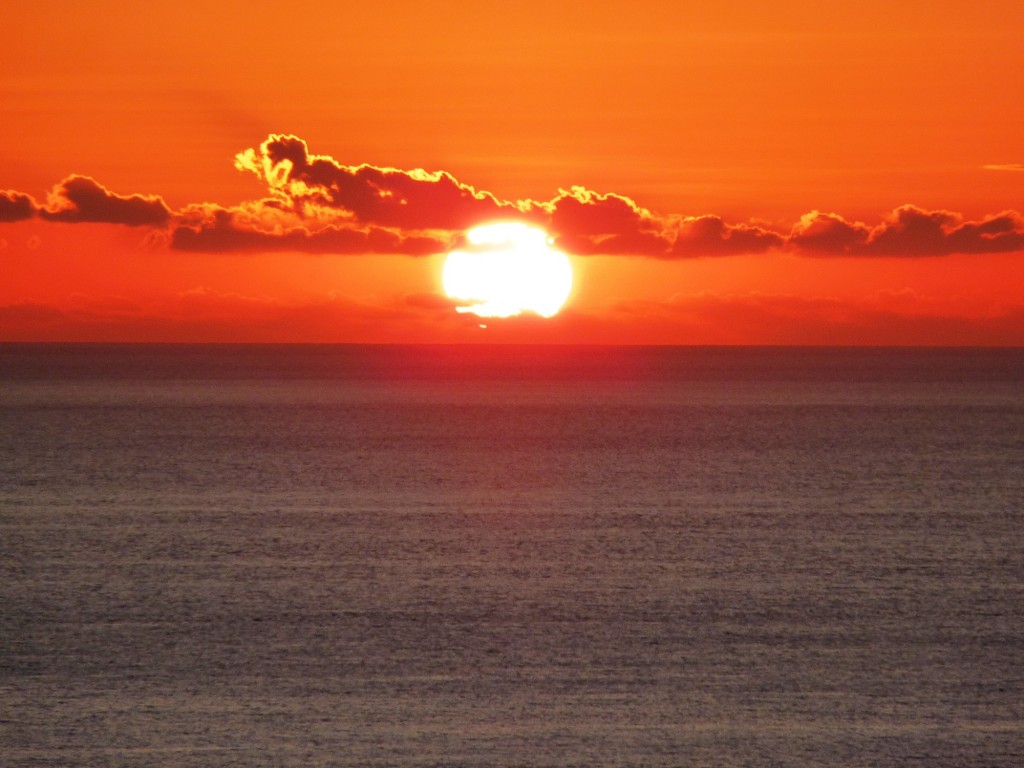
(508, 268)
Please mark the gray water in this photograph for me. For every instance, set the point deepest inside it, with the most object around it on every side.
(420, 556)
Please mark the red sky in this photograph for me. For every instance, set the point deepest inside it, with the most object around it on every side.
(740, 172)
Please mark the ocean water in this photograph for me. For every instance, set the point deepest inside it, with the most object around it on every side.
(511, 556)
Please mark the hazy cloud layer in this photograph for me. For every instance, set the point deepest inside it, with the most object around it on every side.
(315, 204)
(705, 318)
(901, 318)
(208, 315)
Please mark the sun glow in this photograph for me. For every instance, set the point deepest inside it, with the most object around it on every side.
(507, 268)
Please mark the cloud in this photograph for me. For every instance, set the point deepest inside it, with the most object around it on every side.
(908, 231)
(584, 222)
(388, 197)
(203, 314)
(431, 300)
(711, 236)
(316, 204)
(223, 230)
(581, 221)
(828, 234)
(25, 312)
(333, 318)
(911, 231)
(82, 199)
(16, 206)
(885, 319)
(1012, 167)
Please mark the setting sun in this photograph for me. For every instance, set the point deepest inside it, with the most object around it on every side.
(526, 383)
(508, 268)
(722, 173)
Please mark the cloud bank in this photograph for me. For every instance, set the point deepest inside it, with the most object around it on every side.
(315, 204)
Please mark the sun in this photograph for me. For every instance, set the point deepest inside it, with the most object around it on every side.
(507, 268)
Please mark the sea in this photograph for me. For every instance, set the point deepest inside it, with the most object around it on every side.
(218, 555)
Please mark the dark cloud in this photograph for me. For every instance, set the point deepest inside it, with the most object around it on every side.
(909, 231)
(584, 222)
(82, 199)
(387, 197)
(711, 236)
(316, 204)
(221, 232)
(16, 206)
(914, 232)
(828, 234)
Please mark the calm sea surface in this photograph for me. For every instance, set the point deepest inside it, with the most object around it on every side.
(555, 556)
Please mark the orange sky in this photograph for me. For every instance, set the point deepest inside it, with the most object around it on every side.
(677, 152)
